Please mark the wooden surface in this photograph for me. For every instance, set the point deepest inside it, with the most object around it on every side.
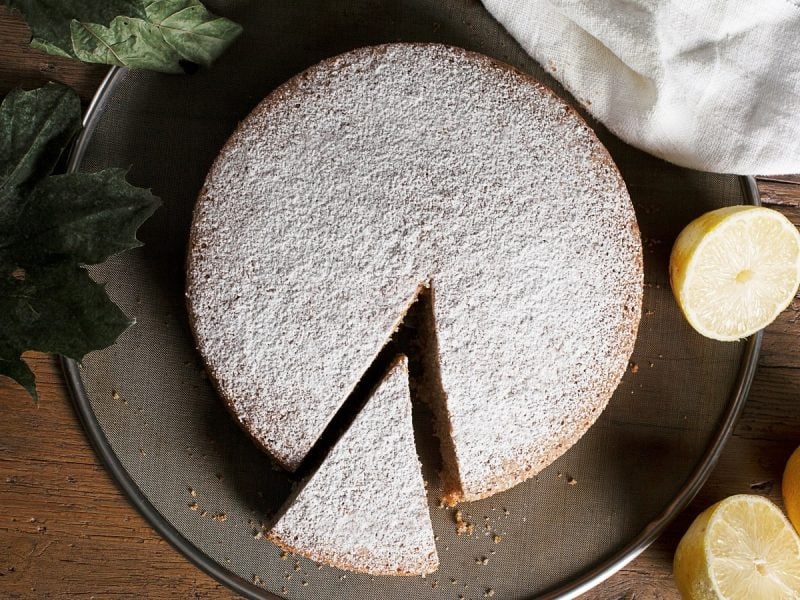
(67, 532)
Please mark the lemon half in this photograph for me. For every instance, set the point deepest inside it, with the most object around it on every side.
(791, 489)
(740, 548)
(733, 270)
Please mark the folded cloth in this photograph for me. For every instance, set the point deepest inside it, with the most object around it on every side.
(711, 84)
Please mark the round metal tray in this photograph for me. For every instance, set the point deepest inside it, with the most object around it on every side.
(166, 438)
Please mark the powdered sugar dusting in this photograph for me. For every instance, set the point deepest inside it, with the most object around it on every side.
(365, 508)
(389, 166)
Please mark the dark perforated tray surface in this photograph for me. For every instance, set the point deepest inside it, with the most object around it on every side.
(165, 435)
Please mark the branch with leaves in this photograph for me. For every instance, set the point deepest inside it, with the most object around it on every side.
(160, 35)
(53, 225)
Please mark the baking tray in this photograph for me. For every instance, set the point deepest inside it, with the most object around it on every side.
(157, 424)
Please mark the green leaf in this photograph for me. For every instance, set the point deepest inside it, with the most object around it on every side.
(132, 43)
(50, 20)
(161, 35)
(86, 217)
(57, 308)
(16, 369)
(196, 34)
(50, 226)
(35, 127)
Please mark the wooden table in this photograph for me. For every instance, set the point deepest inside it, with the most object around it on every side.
(66, 531)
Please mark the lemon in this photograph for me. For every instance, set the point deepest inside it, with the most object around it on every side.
(733, 270)
(791, 488)
(742, 547)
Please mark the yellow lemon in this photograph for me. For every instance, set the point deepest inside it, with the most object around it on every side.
(791, 488)
(733, 270)
(740, 548)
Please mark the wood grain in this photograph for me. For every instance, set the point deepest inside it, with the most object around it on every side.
(22, 66)
(67, 532)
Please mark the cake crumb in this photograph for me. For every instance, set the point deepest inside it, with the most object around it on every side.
(489, 593)
(497, 538)
(257, 580)
(192, 492)
(305, 583)
(203, 513)
(462, 527)
(220, 517)
(284, 555)
(193, 506)
(571, 480)
(634, 368)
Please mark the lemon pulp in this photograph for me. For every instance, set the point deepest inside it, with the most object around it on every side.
(733, 270)
(740, 548)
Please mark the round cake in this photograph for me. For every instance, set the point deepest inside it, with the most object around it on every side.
(403, 168)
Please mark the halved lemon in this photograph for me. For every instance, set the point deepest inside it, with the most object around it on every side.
(740, 548)
(733, 270)
(791, 489)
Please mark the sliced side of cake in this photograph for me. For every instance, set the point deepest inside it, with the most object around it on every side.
(365, 509)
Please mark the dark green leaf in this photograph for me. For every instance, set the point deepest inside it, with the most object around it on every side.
(35, 127)
(139, 34)
(51, 225)
(15, 367)
(86, 217)
(57, 308)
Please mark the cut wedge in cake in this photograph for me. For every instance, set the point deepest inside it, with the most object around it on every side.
(365, 508)
(402, 167)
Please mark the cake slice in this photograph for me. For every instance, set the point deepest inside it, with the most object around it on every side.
(365, 508)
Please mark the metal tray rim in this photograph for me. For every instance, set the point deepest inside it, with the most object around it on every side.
(249, 590)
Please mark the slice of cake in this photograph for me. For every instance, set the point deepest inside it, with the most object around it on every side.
(396, 166)
(365, 508)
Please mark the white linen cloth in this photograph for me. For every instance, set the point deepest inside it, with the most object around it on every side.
(708, 84)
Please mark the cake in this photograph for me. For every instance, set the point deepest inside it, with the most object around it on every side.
(365, 507)
(406, 169)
